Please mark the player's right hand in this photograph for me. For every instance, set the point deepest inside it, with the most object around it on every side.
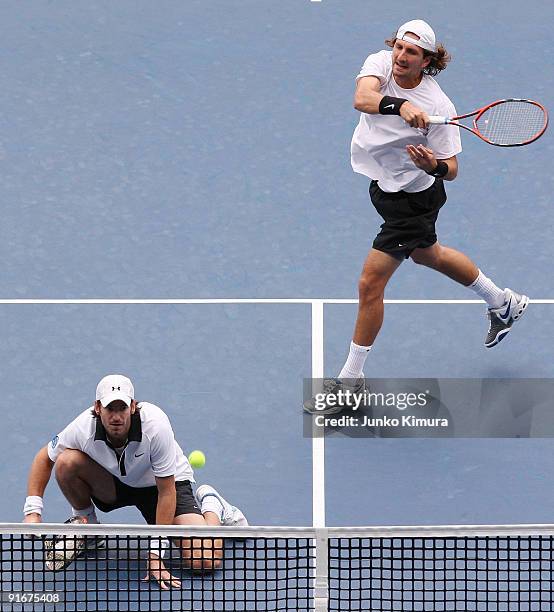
(414, 116)
(34, 517)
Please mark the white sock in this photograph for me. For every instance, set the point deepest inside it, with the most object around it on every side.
(354, 366)
(89, 513)
(486, 289)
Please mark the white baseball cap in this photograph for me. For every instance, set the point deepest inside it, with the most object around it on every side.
(115, 387)
(420, 28)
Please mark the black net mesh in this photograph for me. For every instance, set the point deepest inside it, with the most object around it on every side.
(405, 569)
(481, 573)
(106, 573)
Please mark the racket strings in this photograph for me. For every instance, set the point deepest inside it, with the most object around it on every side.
(512, 122)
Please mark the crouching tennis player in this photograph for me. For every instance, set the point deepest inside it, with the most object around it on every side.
(123, 453)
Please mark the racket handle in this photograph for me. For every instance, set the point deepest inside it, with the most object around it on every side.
(438, 119)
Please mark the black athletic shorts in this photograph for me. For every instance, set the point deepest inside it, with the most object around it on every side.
(146, 499)
(409, 218)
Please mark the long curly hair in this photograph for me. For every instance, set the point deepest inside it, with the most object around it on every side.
(439, 59)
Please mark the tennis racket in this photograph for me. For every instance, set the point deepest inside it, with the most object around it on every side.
(513, 122)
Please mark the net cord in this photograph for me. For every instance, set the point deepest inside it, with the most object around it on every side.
(428, 531)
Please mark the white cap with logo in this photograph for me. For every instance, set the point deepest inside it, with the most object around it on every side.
(419, 28)
(115, 387)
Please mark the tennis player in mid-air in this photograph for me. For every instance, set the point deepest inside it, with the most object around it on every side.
(408, 160)
(118, 453)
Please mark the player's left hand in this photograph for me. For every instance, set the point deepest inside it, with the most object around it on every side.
(422, 157)
(157, 571)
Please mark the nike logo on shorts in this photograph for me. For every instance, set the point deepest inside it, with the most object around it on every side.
(139, 455)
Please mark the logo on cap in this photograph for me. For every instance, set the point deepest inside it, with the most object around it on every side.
(115, 387)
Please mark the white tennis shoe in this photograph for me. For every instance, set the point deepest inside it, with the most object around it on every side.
(210, 500)
(501, 319)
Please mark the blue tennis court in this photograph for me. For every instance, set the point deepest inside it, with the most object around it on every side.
(184, 151)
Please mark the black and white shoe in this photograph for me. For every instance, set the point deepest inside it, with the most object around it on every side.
(61, 551)
(338, 394)
(501, 319)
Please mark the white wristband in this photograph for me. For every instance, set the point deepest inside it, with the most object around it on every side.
(33, 504)
(158, 546)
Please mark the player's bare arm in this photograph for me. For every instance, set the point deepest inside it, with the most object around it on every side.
(368, 98)
(167, 499)
(165, 512)
(39, 475)
(424, 158)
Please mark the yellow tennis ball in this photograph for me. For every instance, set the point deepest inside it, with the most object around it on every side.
(197, 459)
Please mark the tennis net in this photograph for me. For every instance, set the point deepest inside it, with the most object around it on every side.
(500, 568)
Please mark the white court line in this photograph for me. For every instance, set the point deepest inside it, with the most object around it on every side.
(321, 580)
(318, 442)
(235, 301)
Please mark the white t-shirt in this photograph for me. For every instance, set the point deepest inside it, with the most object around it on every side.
(378, 147)
(151, 449)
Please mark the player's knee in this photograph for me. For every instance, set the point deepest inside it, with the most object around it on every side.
(203, 562)
(206, 565)
(202, 555)
(370, 287)
(68, 463)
